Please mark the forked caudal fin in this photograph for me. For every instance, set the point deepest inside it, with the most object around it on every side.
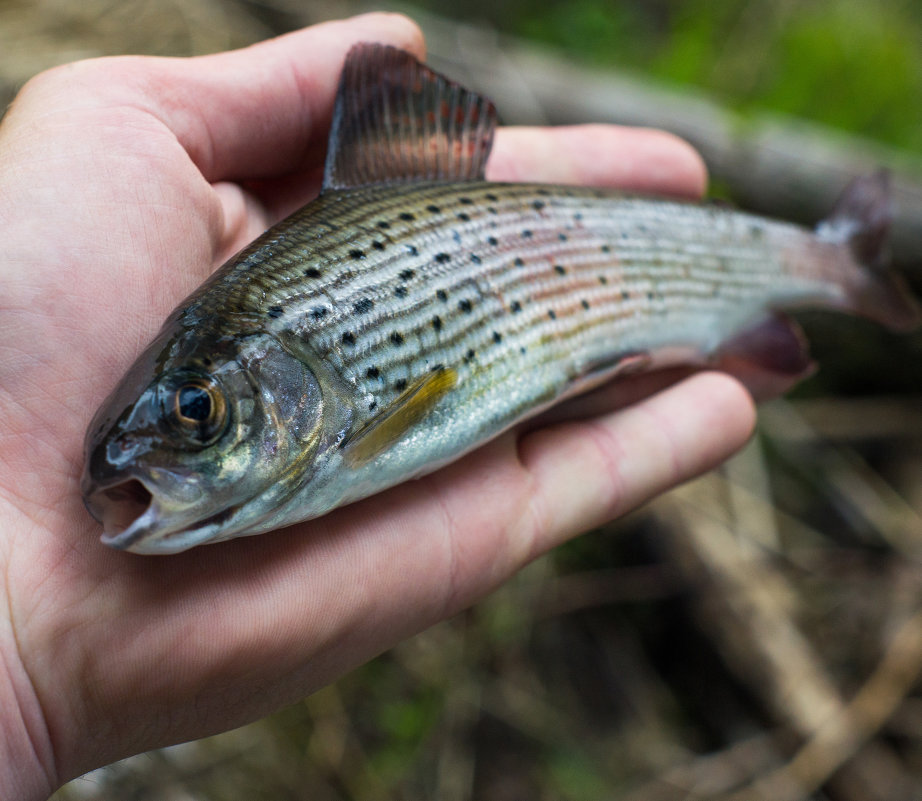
(861, 220)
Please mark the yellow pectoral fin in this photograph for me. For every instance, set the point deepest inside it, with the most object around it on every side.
(398, 418)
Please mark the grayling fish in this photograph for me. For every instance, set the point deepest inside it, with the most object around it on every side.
(413, 311)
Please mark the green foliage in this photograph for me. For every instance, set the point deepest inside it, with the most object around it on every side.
(601, 32)
(846, 63)
(574, 776)
(852, 65)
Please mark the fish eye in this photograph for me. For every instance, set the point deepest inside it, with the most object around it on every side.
(193, 403)
(198, 409)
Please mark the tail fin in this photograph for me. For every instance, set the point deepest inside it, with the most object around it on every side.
(860, 220)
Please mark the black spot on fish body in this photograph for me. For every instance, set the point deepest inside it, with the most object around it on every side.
(406, 275)
(456, 237)
(442, 258)
(465, 200)
(585, 304)
(606, 248)
(578, 217)
(527, 234)
(377, 245)
(312, 272)
(492, 210)
(372, 372)
(515, 307)
(552, 314)
(464, 216)
(603, 280)
(475, 259)
(397, 338)
(625, 295)
(319, 312)
(412, 250)
(406, 216)
(522, 350)
(372, 405)
(560, 269)
(492, 241)
(437, 323)
(383, 224)
(363, 306)
(518, 261)
(400, 384)
(543, 192)
(400, 291)
(537, 205)
(562, 237)
(433, 208)
(355, 253)
(348, 338)
(275, 311)
(497, 337)
(491, 197)
(465, 305)
(469, 356)
(441, 294)
(436, 367)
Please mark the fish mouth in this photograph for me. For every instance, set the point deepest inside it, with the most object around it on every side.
(126, 510)
(133, 520)
(124, 505)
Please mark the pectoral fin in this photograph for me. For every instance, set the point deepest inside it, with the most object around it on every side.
(398, 418)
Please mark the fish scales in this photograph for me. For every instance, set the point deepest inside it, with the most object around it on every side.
(583, 275)
(415, 310)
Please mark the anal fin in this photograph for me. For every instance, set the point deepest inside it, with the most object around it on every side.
(775, 345)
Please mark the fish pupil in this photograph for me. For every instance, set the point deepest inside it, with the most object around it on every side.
(194, 403)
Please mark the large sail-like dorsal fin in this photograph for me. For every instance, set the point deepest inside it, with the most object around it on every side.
(396, 121)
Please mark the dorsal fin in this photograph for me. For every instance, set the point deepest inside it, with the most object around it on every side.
(396, 120)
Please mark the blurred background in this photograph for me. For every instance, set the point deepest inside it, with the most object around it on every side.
(756, 634)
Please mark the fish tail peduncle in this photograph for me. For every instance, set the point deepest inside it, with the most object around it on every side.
(860, 221)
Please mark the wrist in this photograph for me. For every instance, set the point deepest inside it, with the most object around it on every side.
(26, 758)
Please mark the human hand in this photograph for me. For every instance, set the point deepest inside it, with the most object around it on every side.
(126, 182)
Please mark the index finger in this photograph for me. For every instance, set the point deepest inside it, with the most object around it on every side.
(637, 159)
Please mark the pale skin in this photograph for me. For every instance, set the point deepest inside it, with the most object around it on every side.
(125, 182)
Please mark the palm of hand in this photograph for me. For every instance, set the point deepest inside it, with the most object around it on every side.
(142, 227)
(115, 653)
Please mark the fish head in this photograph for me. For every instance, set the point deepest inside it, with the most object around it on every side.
(204, 436)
